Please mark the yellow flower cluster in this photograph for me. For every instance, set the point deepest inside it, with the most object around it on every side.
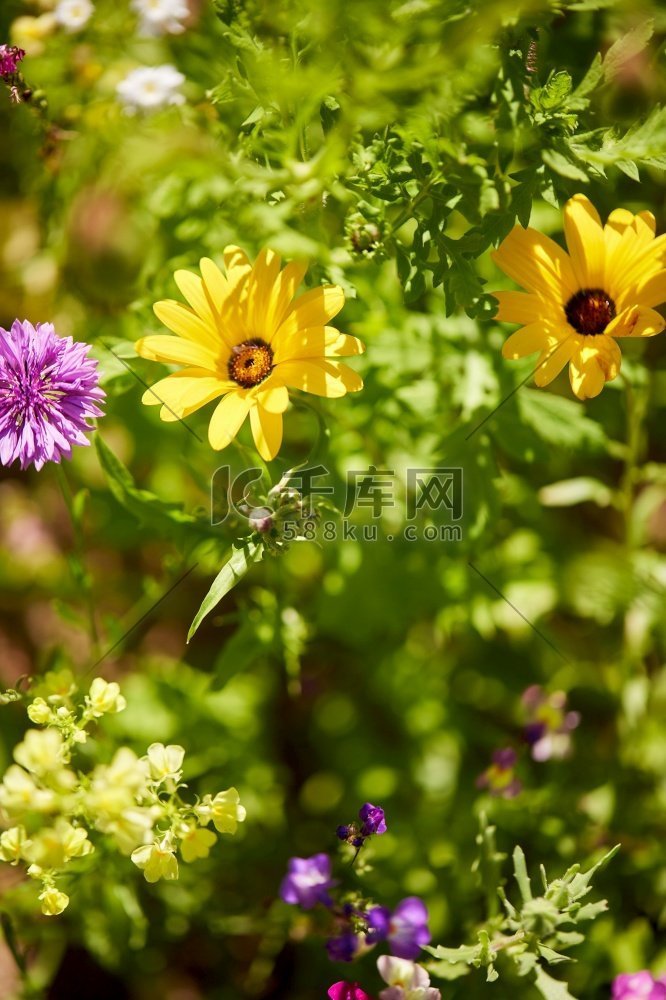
(49, 810)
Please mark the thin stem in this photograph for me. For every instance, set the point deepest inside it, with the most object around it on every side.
(77, 562)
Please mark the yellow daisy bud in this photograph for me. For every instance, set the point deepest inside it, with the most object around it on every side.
(39, 712)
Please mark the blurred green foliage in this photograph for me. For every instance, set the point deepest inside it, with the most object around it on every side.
(349, 670)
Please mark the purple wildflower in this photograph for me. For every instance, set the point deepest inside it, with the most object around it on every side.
(549, 724)
(10, 57)
(373, 820)
(499, 778)
(343, 948)
(638, 986)
(307, 881)
(406, 929)
(48, 391)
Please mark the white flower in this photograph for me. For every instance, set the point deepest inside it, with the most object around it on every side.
(158, 17)
(224, 810)
(19, 793)
(13, 844)
(407, 981)
(72, 15)
(150, 88)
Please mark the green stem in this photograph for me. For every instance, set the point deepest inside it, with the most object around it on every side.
(77, 561)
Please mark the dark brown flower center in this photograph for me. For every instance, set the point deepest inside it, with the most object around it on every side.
(590, 310)
(250, 362)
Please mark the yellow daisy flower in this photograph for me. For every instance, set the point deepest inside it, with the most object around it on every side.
(577, 304)
(245, 337)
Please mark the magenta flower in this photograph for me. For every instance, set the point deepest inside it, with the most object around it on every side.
(373, 820)
(48, 392)
(10, 57)
(500, 778)
(307, 881)
(406, 929)
(347, 991)
(638, 986)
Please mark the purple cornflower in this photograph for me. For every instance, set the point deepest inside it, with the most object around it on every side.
(48, 392)
(406, 929)
(10, 57)
(549, 724)
(373, 820)
(499, 778)
(307, 881)
(343, 948)
(638, 986)
(347, 991)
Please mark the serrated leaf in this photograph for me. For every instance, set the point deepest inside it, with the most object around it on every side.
(551, 989)
(563, 166)
(551, 956)
(468, 953)
(240, 561)
(580, 884)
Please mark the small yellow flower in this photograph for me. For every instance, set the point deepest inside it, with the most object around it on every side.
(157, 861)
(224, 810)
(19, 793)
(54, 846)
(244, 337)
(195, 842)
(41, 751)
(53, 901)
(165, 762)
(39, 712)
(577, 304)
(105, 697)
(14, 844)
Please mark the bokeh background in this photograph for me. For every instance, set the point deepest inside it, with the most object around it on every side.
(341, 671)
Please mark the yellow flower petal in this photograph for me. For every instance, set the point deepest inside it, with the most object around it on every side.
(227, 419)
(636, 322)
(518, 307)
(284, 290)
(536, 263)
(186, 323)
(314, 308)
(585, 240)
(534, 337)
(266, 431)
(236, 264)
(593, 365)
(275, 399)
(321, 377)
(193, 289)
(553, 361)
(652, 291)
(173, 350)
(317, 342)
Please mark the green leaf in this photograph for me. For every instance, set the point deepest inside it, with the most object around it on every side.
(626, 48)
(580, 883)
(563, 166)
(549, 988)
(468, 953)
(147, 508)
(234, 569)
(520, 872)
